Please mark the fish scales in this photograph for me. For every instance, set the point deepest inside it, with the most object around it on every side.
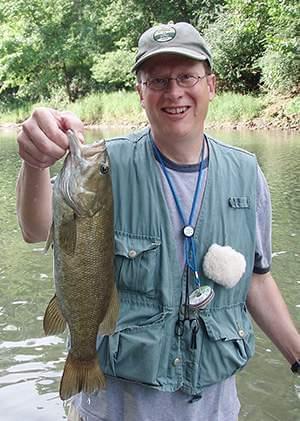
(83, 243)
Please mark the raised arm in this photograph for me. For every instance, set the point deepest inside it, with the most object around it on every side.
(270, 312)
(42, 141)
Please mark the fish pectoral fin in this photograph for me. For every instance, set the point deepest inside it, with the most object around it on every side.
(108, 324)
(54, 321)
(49, 241)
(81, 375)
(68, 236)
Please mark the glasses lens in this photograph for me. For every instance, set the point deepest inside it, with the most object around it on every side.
(158, 84)
(187, 81)
(184, 80)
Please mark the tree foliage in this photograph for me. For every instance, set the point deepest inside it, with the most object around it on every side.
(75, 47)
(280, 63)
(254, 44)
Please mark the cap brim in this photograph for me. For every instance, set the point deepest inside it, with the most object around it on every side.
(170, 50)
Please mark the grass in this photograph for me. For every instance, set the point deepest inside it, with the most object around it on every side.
(293, 106)
(123, 107)
(14, 116)
(230, 107)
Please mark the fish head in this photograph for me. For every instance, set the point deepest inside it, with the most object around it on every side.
(85, 179)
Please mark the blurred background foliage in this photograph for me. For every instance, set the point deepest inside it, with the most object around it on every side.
(65, 50)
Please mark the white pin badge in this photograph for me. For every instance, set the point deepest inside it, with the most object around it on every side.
(188, 231)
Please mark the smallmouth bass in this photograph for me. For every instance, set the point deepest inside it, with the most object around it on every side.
(82, 235)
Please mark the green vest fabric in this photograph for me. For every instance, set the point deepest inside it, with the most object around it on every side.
(144, 347)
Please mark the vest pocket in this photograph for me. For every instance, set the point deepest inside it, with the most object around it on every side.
(136, 262)
(134, 352)
(228, 343)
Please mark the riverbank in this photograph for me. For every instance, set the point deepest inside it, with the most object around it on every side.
(227, 110)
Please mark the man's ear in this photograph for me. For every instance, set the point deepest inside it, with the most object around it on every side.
(139, 90)
(211, 85)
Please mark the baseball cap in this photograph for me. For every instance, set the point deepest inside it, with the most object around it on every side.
(174, 38)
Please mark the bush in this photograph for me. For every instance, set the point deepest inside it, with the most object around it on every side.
(237, 39)
(280, 62)
(113, 70)
(280, 71)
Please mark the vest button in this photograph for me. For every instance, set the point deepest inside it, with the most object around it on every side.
(241, 333)
(132, 254)
(177, 361)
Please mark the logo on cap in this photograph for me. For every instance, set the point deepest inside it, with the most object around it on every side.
(164, 34)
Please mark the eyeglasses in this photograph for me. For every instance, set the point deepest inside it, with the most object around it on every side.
(184, 80)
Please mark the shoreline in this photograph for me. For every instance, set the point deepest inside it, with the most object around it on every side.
(255, 124)
(286, 124)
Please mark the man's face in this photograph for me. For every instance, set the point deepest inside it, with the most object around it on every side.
(176, 111)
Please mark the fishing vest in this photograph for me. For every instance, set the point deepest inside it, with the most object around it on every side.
(145, 347)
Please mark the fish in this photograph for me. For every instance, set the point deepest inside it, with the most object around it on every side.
(82, 237)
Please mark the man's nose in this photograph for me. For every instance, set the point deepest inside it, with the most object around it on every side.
(173, 89)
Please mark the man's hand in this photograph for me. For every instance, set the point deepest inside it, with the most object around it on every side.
(43, 140)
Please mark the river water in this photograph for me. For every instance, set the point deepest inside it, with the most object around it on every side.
(31, 364)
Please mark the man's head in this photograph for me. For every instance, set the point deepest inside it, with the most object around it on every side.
(174, 80)
(179, 38)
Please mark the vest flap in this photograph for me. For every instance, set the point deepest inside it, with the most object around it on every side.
(227, 323)
(132, 245)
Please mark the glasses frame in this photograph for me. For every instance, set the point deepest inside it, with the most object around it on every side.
(165, 85)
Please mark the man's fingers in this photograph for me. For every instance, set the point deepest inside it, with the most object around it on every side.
(42, 153)
(38, 145)
(71, 121)
(43, 140)
(49, 124)
(33, 162)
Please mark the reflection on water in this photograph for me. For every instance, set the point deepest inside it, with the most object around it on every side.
(31, 364)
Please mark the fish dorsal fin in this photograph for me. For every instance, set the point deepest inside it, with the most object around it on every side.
(68, 236)
(54, 321)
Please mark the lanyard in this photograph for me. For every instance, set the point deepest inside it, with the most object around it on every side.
(188, 227)
(201, 296)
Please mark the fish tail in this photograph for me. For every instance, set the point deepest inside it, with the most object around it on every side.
(80, 375)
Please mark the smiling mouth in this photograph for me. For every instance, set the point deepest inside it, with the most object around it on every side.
(175, 110)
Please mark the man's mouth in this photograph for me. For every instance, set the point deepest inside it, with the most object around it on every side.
(175, 110)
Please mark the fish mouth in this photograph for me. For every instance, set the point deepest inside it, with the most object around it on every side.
(81, 176)
(176, 111)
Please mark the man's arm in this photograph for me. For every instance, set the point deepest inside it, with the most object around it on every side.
(42, 141)
(268, 309)
(34, 210)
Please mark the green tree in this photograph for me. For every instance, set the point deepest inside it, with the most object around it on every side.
(280, 63)
(47, 44)
(237, 38)
(255, 43)
(124, 21)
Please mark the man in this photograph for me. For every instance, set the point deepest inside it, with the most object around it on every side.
(193, 252)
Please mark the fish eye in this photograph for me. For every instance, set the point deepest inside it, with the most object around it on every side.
(104, 169)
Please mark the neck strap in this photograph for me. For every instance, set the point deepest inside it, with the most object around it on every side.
(188, 227)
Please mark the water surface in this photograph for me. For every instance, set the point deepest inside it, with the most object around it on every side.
(31, 365)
